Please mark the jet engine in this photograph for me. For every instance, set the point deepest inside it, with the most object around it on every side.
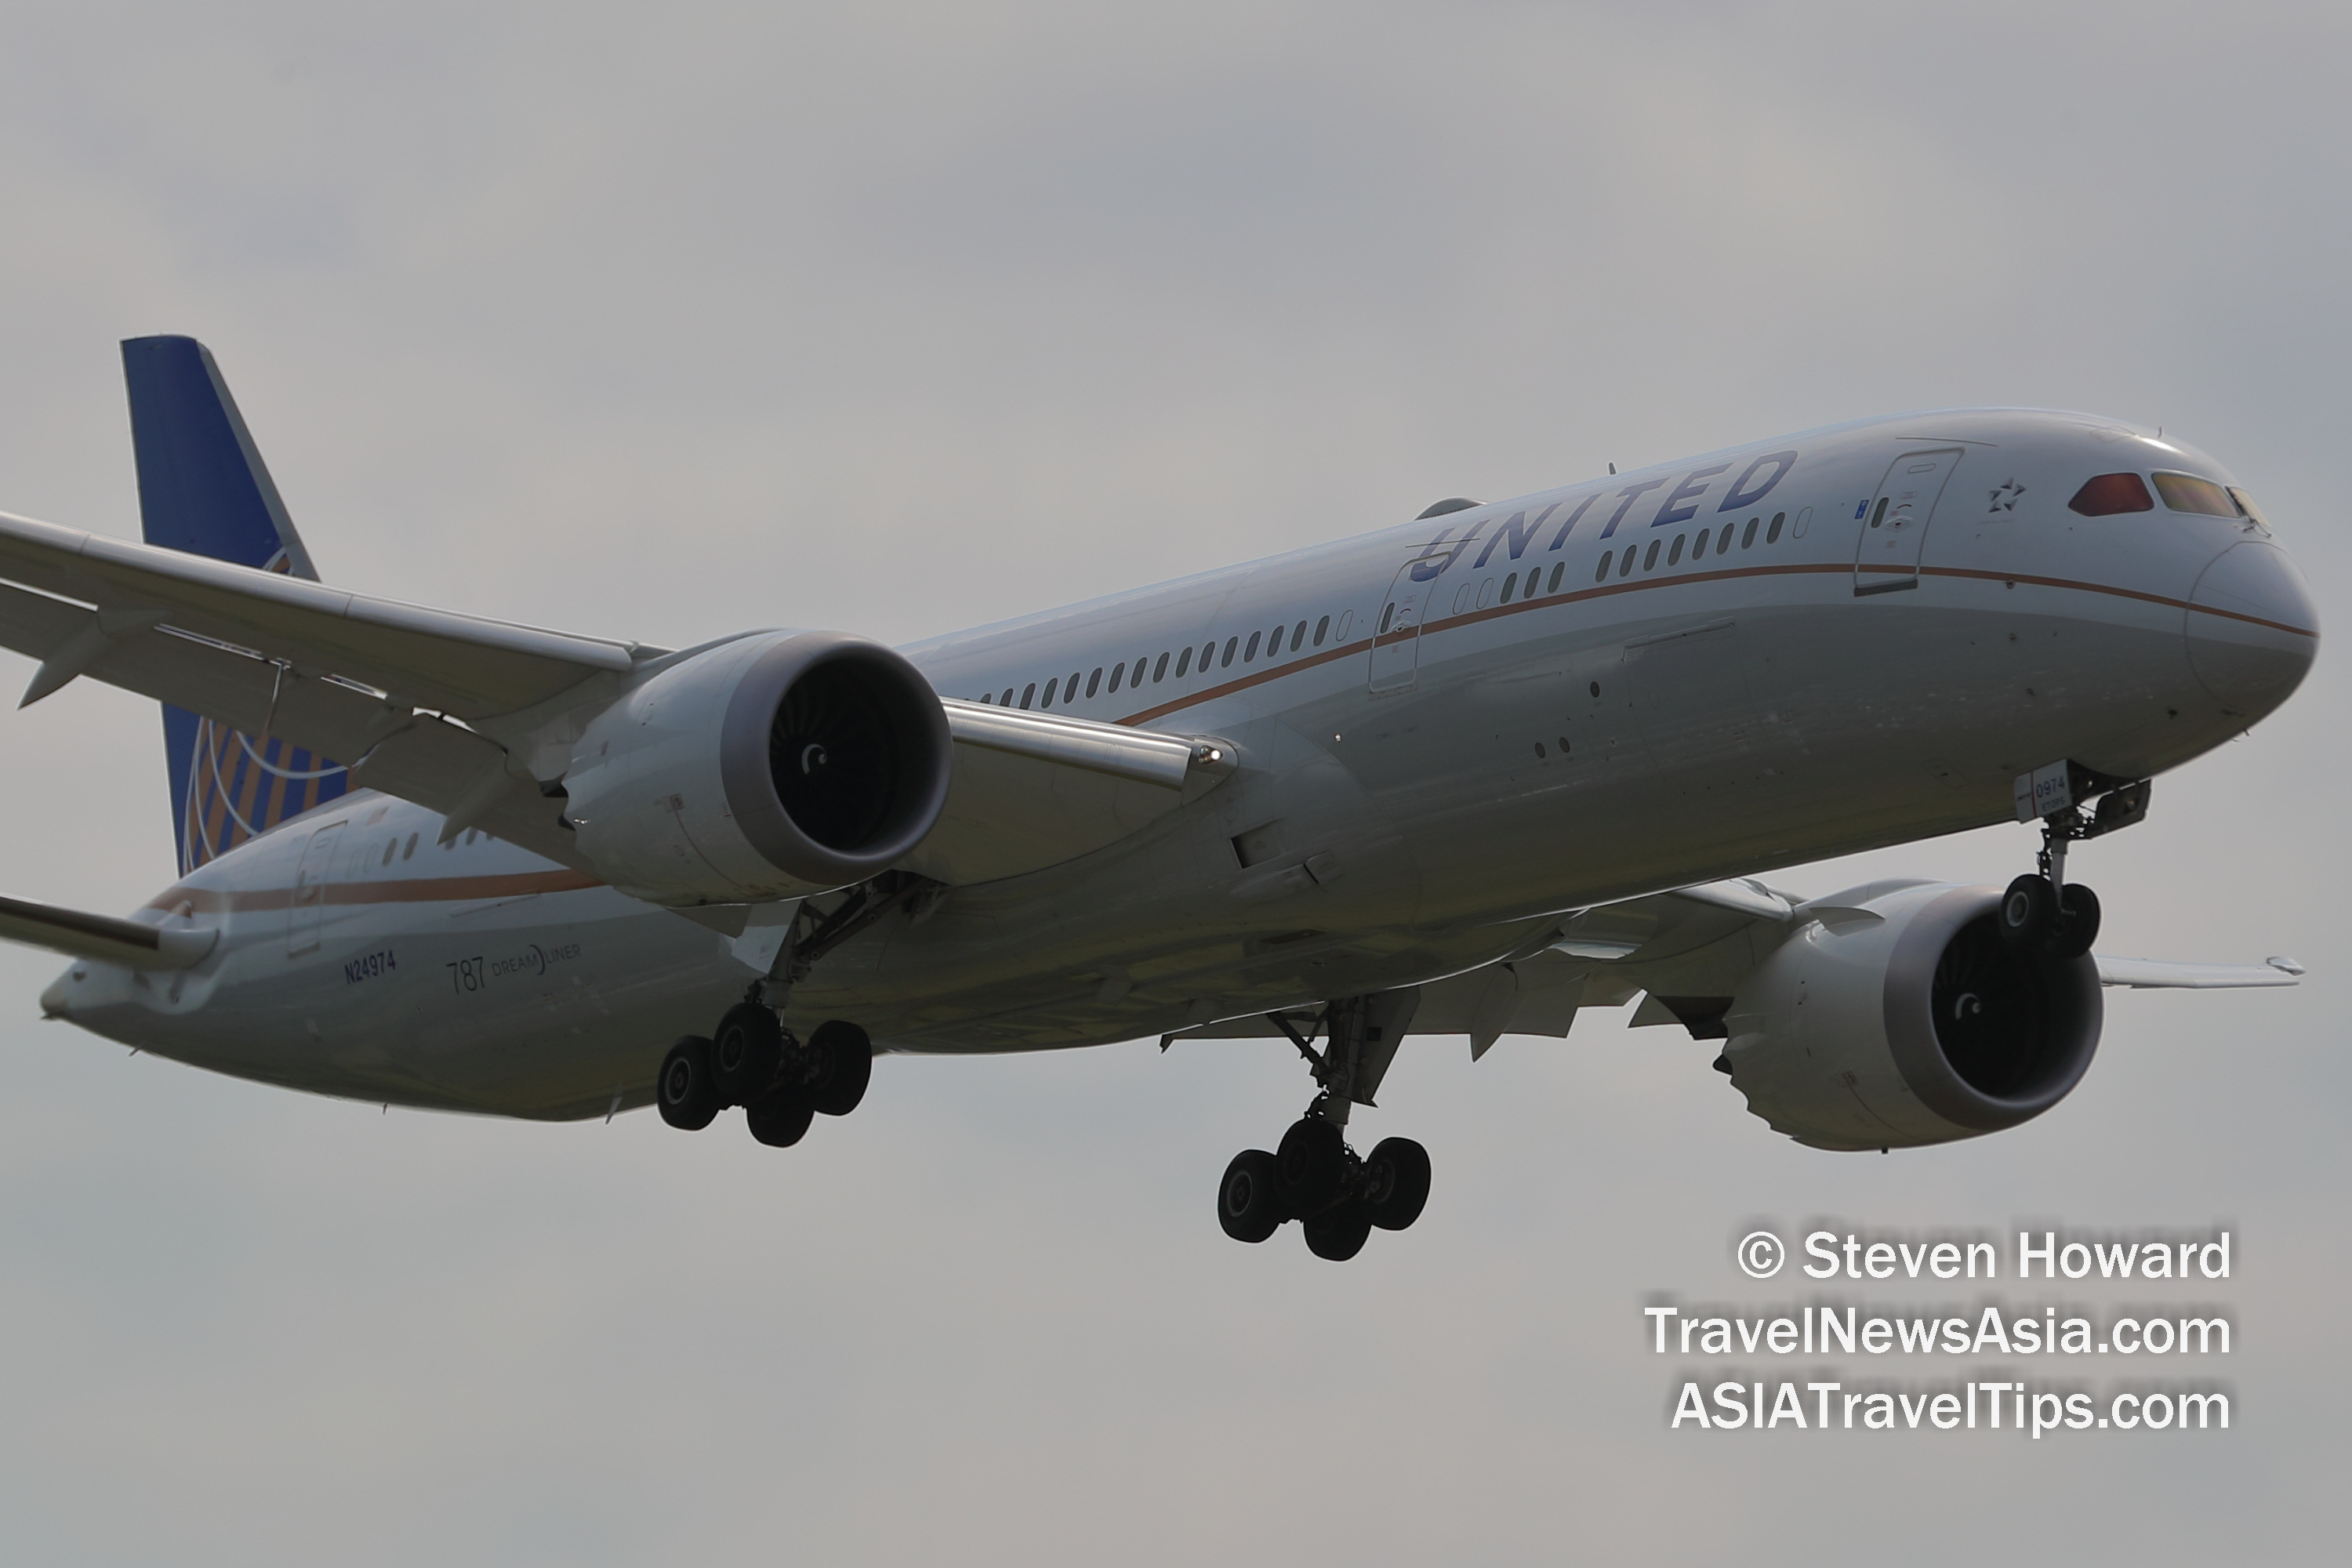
(1896, 1016)
(771, 766)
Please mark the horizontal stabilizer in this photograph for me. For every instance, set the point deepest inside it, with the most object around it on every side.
(2155, 974)
(110, 940)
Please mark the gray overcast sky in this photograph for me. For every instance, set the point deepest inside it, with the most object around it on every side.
(900, 318)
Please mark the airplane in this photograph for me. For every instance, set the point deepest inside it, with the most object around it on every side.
(1463, 775)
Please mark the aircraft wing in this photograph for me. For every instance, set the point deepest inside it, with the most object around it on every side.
(465, 716)
(2155, 974)
(1684, 953)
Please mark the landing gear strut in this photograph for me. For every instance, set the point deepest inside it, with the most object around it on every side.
(2041, 911)
(1313, 1176)
(753, 1060)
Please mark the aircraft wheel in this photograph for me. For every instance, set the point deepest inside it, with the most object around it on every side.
(684, 1091)
(843, 1060)
(745, 1051)
(1398, 1173)
(781, 1117)
(2077, 926)
(2028, 911)
(1246, 1204)
(1310, 1167)
(1338, 1233)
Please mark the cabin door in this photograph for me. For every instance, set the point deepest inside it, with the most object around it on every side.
(1894, 523)
(1396, 633)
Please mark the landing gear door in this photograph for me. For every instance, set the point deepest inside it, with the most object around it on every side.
(307, 908)
(1396, 633)
(1894, 523)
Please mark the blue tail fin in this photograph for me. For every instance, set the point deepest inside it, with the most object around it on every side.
(203, 489)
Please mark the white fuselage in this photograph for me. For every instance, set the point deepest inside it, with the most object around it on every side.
(1473, 723)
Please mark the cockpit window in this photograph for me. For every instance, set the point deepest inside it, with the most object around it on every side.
(2246, 504)
(2187, 492)
(2112, 493)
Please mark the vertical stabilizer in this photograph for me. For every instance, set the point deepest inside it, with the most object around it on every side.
(204, 490)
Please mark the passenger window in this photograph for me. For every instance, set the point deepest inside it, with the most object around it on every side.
(1324, 624)
(1649, 556)
(1553, 586)
(1115, 671)
(1603, 569)
(1094, 681)
(1251, 653)
(1699, 545)
(1006, 701)
(2187, 492)
(1723, 540)
(1298, 636)
(1183, 663)
(1747, 536)
(1160, 671)
(411, 849)
(1047, 700)
(1772, 535)
(1028, 692)
(1510, 586)
(1625, 562)
(1230, 644)
(390, 845)
(1675, 556)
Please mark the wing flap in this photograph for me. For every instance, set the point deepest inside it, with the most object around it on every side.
(439, 766)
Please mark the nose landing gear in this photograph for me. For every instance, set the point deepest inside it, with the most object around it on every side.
(1313, 1176)
(753, 1061)
(2041, 911)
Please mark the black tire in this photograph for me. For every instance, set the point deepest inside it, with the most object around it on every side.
(744, 1052)
(843, 1059)
(2028, 911)
(2077, 926)
(1397, 1177)
(1247, 1205)
(1338, 1233)
(1310, 1167)
(688, 1096)
(781, 1117)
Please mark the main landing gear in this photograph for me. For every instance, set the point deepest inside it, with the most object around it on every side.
(2042, 912)
(782, 1083)
(1312, 1177)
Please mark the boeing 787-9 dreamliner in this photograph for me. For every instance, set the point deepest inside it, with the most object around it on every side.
(1463, 775)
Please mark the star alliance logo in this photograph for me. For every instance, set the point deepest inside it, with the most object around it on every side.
(2005, 497)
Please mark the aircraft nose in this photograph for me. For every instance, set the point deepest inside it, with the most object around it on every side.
(2252, 630)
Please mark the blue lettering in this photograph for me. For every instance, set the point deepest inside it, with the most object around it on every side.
(1424, 569)
(1631, 493)
(1741, 496)
(1669, 512)
(1518, 531)
(1566, 528)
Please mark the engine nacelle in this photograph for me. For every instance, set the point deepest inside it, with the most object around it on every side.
(1902, 1018)
(772, 767)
